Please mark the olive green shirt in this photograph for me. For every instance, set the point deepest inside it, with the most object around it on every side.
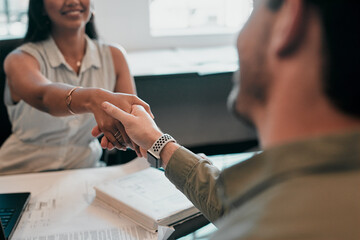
(303, 190)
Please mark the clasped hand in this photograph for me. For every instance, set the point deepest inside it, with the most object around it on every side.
(112, 129)
(138, 125)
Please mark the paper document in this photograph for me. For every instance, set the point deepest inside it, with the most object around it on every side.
(62, 205)
(148, 198)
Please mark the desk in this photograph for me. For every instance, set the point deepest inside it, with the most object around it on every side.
(63, 204)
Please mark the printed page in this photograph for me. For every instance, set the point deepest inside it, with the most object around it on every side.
(124, 233)
(62, 205)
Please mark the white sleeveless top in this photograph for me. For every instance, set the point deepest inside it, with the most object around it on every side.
(41, 142)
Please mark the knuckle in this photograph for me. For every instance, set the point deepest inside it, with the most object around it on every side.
(136, 99)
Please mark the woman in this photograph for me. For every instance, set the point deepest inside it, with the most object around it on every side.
(56, 83)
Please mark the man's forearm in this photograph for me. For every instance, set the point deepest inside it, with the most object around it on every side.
(167, 152)
(196, 178)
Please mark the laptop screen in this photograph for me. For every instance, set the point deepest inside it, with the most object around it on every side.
(2, 233)
(12, 205)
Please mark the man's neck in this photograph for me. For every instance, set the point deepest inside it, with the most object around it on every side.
(298, 108)
(293, 126)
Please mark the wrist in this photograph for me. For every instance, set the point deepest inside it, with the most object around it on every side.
(167, 152)
(68, 99)
(153, 138)
(157, 156)
(159, 144)
(75, 100)
(94, 98)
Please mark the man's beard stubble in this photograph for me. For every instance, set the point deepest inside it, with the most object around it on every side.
(232, 100)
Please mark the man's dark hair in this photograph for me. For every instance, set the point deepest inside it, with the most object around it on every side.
(39, 26)
(340, 21)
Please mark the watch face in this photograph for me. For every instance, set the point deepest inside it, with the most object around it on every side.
(154, 162)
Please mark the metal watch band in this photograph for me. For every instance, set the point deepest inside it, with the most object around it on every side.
(160, 144)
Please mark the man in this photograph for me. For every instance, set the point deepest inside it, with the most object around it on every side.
(299, 86)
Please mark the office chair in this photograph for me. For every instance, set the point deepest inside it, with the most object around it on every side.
(6, 46)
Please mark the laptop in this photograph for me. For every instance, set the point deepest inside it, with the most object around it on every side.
(12, 206)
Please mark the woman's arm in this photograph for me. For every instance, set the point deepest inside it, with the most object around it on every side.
(27, 83)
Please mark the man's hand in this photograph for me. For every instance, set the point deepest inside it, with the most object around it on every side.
(139, 125)
(114, 133)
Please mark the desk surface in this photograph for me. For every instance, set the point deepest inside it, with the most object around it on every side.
(63, 204)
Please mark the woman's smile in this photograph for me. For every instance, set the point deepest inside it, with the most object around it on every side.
(73, 12)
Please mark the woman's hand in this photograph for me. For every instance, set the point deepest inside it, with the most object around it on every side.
(31, 86)
(142, 129)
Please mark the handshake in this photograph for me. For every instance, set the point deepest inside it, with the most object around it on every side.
(135, 129)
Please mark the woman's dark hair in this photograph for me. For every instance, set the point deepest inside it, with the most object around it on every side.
(39, 26)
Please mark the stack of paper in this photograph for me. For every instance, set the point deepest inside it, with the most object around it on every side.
(148, 198)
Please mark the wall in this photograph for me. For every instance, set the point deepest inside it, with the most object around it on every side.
(193, 109)
(126, 22)
(190, 107)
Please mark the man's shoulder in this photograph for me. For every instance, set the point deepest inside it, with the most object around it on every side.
(320, 158)
(324, 206)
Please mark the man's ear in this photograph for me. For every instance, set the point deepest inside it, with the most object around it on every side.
(289, 27)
